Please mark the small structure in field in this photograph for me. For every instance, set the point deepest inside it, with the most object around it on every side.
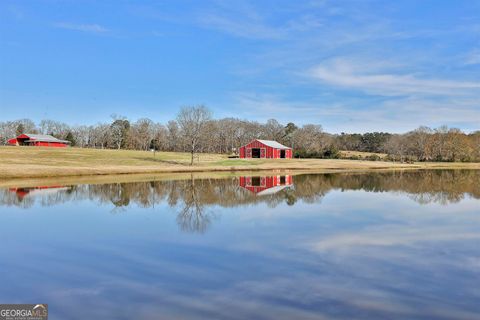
(38, 140)
(265, 149)
(266, 185)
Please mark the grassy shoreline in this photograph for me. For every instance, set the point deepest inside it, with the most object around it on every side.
(17, 163)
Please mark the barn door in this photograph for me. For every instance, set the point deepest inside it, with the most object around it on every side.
(262, 153)
(263, 181)
(255, 182)
(249, 153)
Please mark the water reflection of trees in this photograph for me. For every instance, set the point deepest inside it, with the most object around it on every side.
(192, 197)
(432, 186)
(192, 216)
(21, 197)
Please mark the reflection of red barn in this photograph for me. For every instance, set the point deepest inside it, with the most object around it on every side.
(265, 149)
(23, 192)
(38, 140)
(266, 185)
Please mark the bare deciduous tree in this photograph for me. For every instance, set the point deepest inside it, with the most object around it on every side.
(192, 122)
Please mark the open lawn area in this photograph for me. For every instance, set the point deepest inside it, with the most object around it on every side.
(32, 162)
(361, 155)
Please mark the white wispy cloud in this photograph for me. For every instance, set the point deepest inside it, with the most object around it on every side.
(92, 28)
(242, 19)
(398, 114)
(251, 28)
(393, 236)
(343, 73)
(346, 67)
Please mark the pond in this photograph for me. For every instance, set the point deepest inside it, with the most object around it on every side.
(396, 245)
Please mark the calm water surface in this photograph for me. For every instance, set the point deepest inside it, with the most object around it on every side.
(325, 246)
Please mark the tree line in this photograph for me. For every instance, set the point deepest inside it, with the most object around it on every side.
(194, 130)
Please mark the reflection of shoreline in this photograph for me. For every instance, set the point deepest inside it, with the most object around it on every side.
(445, 186)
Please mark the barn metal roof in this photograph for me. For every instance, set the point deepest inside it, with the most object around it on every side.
(273, 144)
(271, 190)
(44, 138)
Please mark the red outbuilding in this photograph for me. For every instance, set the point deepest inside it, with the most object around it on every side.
(38, 140)
(265, 149)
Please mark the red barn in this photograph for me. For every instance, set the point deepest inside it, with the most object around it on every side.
(266, 185)
(38, 140)
(265, 149)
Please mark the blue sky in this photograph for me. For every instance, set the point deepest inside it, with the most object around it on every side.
(350, 66)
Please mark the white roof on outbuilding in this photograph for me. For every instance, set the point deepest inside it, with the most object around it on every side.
(273, 144)
(44, 137)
